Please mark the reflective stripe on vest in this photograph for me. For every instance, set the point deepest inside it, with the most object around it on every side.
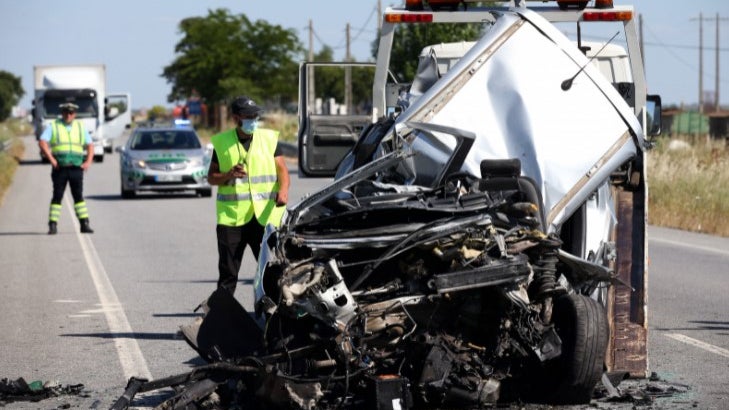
(247, 197)
(239, 200)
(253, 180)
(67, 147)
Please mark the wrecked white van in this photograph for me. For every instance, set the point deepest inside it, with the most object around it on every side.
(481, 245)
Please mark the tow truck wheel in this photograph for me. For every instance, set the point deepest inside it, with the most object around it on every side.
(581, 323)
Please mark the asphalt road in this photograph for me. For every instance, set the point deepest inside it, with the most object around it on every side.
(97, 309)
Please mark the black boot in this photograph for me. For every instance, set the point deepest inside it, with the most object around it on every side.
(85, 227)
(52, 228)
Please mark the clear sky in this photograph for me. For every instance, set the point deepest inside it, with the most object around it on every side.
(135, 39)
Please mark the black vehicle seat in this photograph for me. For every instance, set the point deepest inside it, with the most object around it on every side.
(504, 175)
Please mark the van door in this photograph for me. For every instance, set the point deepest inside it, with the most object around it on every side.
(335, 105)
(117, 118)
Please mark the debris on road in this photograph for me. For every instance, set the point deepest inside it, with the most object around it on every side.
(20, 390)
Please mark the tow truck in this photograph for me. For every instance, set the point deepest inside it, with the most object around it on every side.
(328, 131)
(483, 240)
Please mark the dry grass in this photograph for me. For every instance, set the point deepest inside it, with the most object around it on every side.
(9, 159)
(13, 152)
(689, 186)
(286, 124)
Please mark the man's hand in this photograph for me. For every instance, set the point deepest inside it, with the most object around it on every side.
(85, 165)
(282, 198)
(238, 171)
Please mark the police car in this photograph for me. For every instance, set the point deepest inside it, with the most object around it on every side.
(164, 158)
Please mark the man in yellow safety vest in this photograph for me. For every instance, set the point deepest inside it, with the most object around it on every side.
(68, 147)
(253, 187)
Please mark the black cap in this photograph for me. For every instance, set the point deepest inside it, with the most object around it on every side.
(245, 106)
(68, 106)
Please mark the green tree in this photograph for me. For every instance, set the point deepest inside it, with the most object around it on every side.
(11, 91)
(157, 112)
(223, 55)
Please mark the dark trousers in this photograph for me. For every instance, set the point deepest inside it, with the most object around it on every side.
(232, 242)
(73, 176)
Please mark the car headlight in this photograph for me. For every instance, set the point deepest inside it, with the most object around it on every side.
(139, 163)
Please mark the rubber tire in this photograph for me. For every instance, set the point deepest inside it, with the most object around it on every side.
(127, 194)
(99, 158)
(581, 323)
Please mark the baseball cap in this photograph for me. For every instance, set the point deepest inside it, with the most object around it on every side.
(68, 106)
(244, 106)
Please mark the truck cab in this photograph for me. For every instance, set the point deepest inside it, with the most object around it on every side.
(608, 225)
(105, 116)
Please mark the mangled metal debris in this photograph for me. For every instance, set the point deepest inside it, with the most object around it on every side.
(20, 390)
(445, 296)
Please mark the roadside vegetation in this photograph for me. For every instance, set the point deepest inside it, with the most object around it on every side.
(12, 150)
(688, 185)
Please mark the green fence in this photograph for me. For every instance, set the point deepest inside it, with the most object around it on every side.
(690, 123)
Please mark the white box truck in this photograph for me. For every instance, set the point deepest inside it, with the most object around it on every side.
(85, 86)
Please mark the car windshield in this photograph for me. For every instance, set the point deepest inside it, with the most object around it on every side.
(160, 139)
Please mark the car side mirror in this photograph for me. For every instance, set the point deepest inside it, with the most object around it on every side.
(653, 115)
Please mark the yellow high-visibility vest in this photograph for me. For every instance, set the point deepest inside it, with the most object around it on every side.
(239, 200)
(68, 147)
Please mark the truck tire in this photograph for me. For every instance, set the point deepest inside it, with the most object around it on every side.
(581, 323)
(99, 158)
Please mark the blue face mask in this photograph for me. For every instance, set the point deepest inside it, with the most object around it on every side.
(249, 125)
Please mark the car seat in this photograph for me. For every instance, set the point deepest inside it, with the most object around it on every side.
(503, 177)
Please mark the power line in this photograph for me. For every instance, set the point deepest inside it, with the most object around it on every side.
(668, 48)
(362, 29)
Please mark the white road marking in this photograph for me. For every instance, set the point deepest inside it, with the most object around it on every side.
(686, 245)
(67, 301)
(699, 344)
(130, 356)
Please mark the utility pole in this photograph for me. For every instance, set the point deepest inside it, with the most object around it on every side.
(311, 97)
(701, 62)
(348, 77)
(717, 74)
(716, 78)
